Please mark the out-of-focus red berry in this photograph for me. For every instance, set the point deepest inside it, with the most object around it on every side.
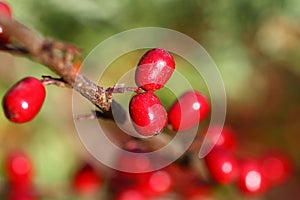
(276, 167)
(157, 183)
(87, 181)
(19, 169)
(188, 110)
(251, 181)
(223, 137)
(222, 165)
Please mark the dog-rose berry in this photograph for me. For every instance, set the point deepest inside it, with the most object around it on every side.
(24, 100)
(5, 11)
(154, 69)
(147, 113)
(188, 110)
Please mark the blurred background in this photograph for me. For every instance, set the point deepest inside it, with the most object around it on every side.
(255, 44)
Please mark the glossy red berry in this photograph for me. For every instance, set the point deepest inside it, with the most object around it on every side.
(87, 181)
(276, 167)
(251, 181)
(147, 113)
(189, 109)
(19, 169)
(154, 69)
(5, 11)
(24, 100)
(222, 165)
(223, 137)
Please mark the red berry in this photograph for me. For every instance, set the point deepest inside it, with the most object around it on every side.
(190, 109)
(276, 167)
(251, 180)
(154, 69)
(222, 165)
(222, 137)
(147, 113)
(158, 183)
(87, 180)
(5, 11)
(24, 100)
(19, 169)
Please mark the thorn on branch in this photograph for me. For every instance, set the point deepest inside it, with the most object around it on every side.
(49, 80)
(95, 114)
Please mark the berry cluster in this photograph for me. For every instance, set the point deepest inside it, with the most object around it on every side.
(253, 176)
(147, 112)
(176, 179)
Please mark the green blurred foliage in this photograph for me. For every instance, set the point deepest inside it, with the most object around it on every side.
(254, 43)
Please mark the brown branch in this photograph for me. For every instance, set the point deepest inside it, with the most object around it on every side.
(57, 56)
